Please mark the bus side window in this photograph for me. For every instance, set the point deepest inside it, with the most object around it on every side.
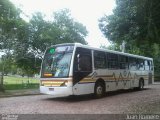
(140, 64)
(147, 64)
(123, 62)
(112, 61)
(151, 65)
(106, 56)
(132, 63)
(99, 59)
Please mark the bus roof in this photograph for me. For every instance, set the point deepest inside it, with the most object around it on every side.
(104, 50)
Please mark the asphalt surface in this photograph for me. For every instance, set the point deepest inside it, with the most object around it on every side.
(146, 101)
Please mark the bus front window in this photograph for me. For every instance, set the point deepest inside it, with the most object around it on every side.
(56, 62)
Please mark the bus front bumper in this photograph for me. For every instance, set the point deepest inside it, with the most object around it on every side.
(56, 91)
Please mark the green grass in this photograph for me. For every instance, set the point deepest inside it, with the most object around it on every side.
(16, 83)
(21, 86)
(19, 80)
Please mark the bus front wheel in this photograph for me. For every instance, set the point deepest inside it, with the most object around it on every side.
(99, 90)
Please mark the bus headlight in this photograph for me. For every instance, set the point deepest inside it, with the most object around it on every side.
(65, 83)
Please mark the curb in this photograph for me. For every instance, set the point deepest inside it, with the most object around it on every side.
(16, 93)
(4, 96)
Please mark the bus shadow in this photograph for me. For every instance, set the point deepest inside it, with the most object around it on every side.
(75, 98)
(123, 91)
(90, 97)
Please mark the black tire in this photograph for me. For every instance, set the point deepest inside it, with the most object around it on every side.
(99, 90)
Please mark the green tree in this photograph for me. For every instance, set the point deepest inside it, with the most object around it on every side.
(29, 64)
(133, 21)
(6, 63)
(72, 31)
(8, 19)
(62, 29)
(8, 16)
(13, 35)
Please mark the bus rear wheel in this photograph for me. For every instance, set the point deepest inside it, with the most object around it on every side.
(99, 90)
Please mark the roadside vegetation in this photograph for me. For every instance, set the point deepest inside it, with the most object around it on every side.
(18, 82)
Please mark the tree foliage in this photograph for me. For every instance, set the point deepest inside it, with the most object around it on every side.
(133, 21)
(8, 15)
(62, 29)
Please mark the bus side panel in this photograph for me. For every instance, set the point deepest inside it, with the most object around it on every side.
(83, 88)
(134, 78)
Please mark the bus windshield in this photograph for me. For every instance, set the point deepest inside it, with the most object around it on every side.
(56, 62)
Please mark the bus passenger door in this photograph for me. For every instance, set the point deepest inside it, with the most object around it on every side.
(82, 69)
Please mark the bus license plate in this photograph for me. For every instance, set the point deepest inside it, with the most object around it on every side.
(51, 89)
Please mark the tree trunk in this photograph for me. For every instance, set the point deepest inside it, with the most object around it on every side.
(1, 82)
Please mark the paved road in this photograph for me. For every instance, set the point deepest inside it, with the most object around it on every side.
(124, 101)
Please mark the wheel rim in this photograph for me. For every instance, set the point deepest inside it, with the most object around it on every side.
(141, 85)
(99, 90)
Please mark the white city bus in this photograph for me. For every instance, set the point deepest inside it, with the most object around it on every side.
(76, 69)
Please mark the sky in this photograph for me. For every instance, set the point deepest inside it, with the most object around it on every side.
(86, 12)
